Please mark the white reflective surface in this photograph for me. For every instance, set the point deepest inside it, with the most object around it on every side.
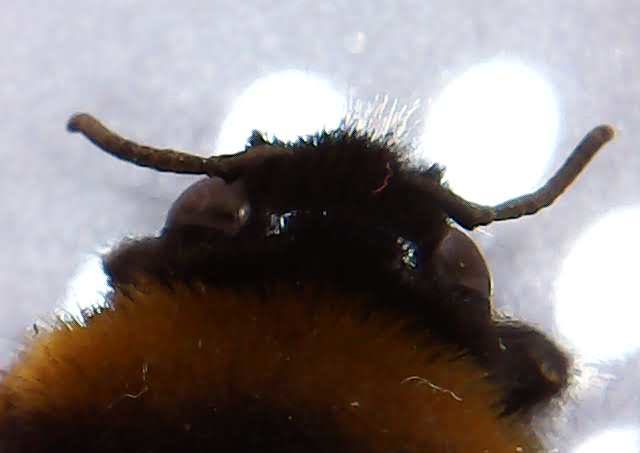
(286, 104)
(620, 440)
(86, 289)
(597, 305)
(494, 127)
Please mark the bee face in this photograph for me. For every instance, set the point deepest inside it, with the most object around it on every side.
(309, 296)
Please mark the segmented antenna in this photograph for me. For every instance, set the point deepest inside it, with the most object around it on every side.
(230, 167)
(470, 215)
(159, 159)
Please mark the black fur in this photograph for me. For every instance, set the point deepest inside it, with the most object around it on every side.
(338, 211)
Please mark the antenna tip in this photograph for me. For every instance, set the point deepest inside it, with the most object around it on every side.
(76, 122)
(603, 133)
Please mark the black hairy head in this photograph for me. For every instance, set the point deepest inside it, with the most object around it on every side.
(287, 251)
(346, 207)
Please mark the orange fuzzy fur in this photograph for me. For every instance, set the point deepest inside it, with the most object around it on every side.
(387, 389)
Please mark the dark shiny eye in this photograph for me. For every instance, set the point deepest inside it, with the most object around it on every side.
(211, 203)
(457, 261)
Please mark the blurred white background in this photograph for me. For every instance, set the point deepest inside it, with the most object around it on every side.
(506, 89)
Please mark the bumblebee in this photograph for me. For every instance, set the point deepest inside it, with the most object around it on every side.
(308, 296)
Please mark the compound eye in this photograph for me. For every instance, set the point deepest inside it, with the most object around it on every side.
(211, 203)
(459, 262)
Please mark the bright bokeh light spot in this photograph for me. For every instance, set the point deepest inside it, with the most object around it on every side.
(494, 128)
(613, 440)
(87, 288)
(597, 307)
(286, 104)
